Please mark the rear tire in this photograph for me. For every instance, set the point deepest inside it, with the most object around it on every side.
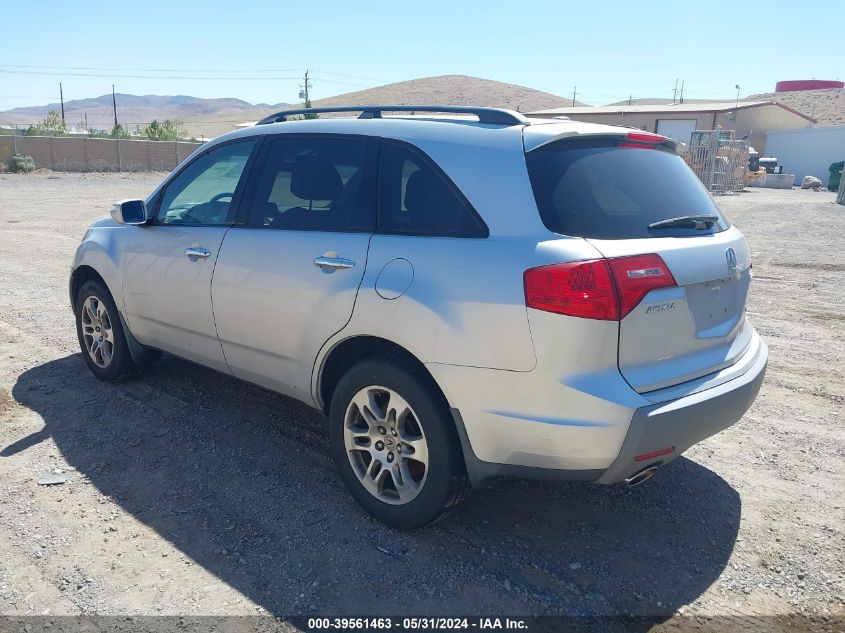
(101, 336)
(395, 443)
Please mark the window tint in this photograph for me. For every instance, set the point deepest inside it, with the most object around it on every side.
(601, 190)
(202, 193)
(315, 184)
(417, 199)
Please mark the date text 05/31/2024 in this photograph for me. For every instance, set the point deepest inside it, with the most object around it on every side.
(387, 623)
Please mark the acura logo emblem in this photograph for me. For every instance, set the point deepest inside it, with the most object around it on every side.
(731, 257)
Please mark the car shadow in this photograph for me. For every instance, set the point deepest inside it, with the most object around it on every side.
(239, 479)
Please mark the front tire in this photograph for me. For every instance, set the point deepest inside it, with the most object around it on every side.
(395, 444)
(101, 336)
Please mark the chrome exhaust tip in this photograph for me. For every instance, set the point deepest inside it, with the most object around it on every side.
(641, 476)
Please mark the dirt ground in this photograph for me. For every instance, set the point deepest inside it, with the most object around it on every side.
(190, 492)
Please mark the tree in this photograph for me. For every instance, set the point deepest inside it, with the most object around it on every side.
(167, 130)
(118, 131)
(310, 115)
(51, 125)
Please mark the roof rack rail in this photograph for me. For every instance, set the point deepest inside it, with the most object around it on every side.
(495, 116)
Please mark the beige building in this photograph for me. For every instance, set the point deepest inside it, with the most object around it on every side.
(751, 119)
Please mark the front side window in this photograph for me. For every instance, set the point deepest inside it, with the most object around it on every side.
(312, 183)
(417, 199)
(203, 192)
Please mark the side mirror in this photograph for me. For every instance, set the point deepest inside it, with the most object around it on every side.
(132, 212)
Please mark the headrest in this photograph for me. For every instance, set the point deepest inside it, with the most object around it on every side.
(423, 191)
(315, 179)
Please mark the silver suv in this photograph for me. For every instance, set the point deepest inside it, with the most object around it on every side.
(465, 295)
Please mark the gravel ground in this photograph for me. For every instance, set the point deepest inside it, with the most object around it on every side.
(189, 492)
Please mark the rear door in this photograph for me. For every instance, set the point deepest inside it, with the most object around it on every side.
(169, 264)
(611, 192)
(288, 273)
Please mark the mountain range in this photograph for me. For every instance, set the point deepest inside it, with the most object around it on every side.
(211, 117)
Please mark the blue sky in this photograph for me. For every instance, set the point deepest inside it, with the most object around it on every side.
(257, 50)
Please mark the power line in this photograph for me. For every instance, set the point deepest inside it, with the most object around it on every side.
(192, 70)
(344, 83)
(111, 75)
(26, 97)
(325, 72)
(166, 77)
(156, 70)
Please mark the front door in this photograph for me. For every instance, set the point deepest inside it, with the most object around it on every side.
(286, 280)
(169, 264)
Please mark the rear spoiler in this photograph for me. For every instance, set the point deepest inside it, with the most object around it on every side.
(634, 138)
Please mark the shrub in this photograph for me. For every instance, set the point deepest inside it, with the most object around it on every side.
(22, 164)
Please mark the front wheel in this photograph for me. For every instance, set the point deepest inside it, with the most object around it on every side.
(101, 335)
(395, 443)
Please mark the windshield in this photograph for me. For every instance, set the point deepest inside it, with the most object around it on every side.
(600, 189)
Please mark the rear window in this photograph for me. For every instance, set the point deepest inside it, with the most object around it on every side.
(596, 189)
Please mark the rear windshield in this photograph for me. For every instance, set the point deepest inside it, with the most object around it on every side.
(600, 190)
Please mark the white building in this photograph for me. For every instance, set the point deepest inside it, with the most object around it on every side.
(749, 119)
(807, 152)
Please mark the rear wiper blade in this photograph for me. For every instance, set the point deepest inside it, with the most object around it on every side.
(702, 221)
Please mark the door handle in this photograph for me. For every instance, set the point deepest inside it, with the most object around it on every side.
(333, 262)
(197, 252)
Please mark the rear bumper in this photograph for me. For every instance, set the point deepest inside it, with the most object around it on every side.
(681, 423)
(677, 422)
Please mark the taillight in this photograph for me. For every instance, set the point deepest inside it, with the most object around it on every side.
(642, 140)
(636, 276)
(606, 289)
(582, 289)
(645, 137)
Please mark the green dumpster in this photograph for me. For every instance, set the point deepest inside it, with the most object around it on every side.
(835, 175)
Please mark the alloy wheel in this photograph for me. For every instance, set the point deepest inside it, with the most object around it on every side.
(386, 445)
(97, 332)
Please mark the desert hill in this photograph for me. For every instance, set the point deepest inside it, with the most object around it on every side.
(826, 106)
(211, 117)
(139, 110)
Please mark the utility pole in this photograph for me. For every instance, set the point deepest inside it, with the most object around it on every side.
(682, 89)
(675, 92)
(630, 99)
(305, 92)
(737, 96)
(62, 101)
(306, 85)
(574, 92)
(114, 104)
(86, 124)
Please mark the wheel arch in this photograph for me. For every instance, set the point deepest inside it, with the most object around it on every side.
(83, 273)
(349, 351)
(99, 256)
(79, 276)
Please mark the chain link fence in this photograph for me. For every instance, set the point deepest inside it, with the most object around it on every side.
(82, 154)
(719, 161)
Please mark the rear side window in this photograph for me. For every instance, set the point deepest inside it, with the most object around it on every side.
(312, 183)
(418, 199)
(598, 189)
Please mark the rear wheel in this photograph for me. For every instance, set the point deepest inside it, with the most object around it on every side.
(101, 335)
(395, 443)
